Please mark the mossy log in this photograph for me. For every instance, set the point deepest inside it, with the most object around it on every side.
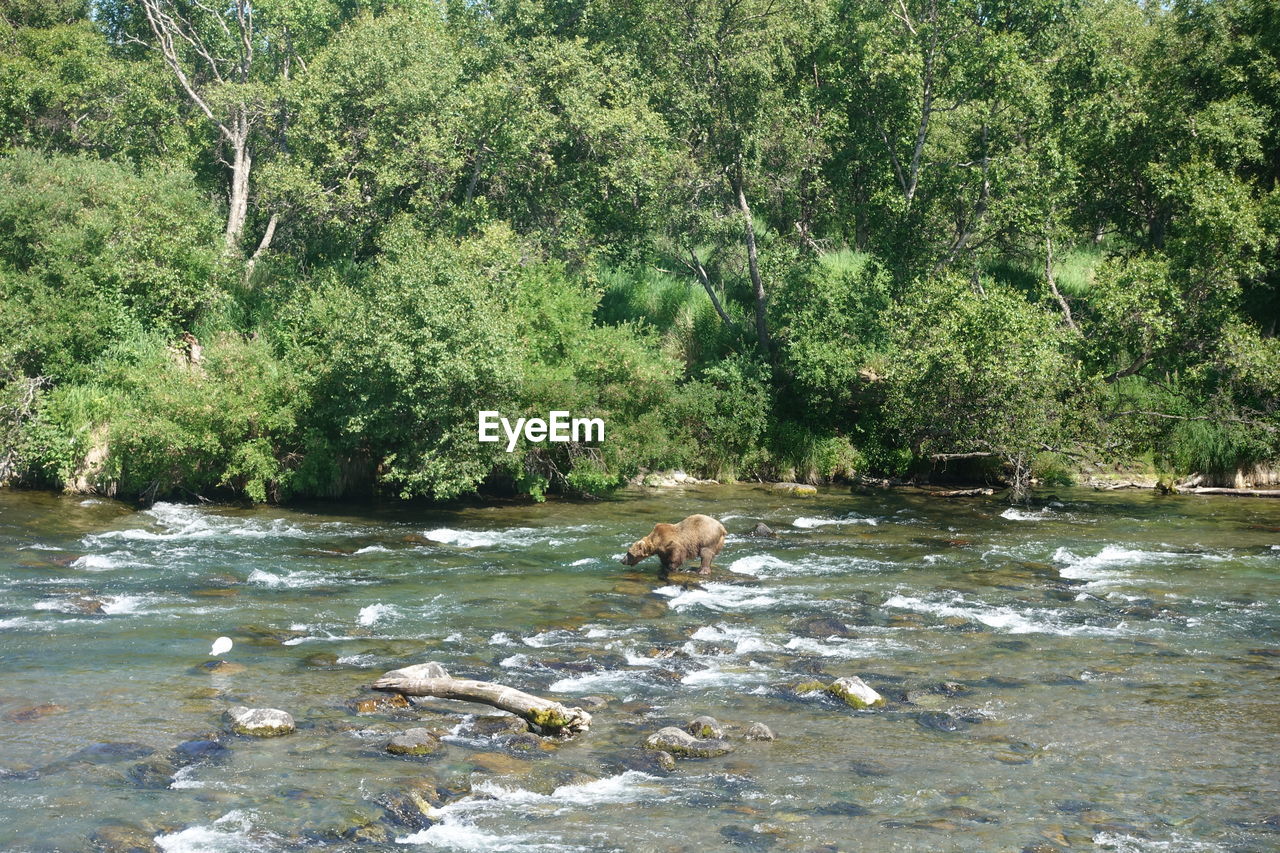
(430, 679)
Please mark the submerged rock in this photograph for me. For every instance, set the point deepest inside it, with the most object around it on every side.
(759, 731)
(655, 762)
(124, 838)
(855, 692)
(222, 667)
(494, 725)
(34, 712)
(705, 727)
(415, 802)
(376, 704)
(681, 744)
(417, 741)
(795, 489)
(260, 722)
(503, 765)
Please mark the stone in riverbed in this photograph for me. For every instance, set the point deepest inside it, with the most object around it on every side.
(705, 727)
(260, 722)
(34, 712)
(655, 762)
(681, 744)
(855, 692)
(124, 838)
(389, 702)
(795, 489)
(494, 725)
(759, 731)
(414, 803)
(222, 667)
(417, 741)
(763, 530)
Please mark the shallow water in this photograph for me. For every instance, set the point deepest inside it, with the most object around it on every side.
(1120, 655)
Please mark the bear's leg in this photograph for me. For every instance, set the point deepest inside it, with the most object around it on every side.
(707, 554)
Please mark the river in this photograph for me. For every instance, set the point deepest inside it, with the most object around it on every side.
(1115, 659)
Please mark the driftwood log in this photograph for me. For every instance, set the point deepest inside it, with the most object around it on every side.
(430, 679)
(1240, 493)
(958, 493)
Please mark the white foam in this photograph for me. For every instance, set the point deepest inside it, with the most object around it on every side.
(289, 580)
(718, 597)
(1029, 621)
(759, 564)
(230, 833)
(375, 613)
(1099, 569)
(846, 648)
(592, 681)
(519, 537)
(769, 566)
(1015, 514)
(182, 779)
(365, 659)
(808, 522)
(714, 676)
(1131, 844)
(182, 522)
(744, 640)
(39, 546)
(465, 838)
(371, 549)
(97, 562)
(583, 562)
(121, 605)
(501, 639)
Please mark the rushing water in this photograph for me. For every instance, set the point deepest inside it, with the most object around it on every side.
(1119, 655)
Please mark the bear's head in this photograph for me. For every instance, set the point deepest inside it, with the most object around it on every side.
(636, 553)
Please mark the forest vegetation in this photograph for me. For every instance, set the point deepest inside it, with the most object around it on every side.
(289, 248)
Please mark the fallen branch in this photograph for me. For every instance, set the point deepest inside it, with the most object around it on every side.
(1240, 493)
(958, 493)
(430, 679)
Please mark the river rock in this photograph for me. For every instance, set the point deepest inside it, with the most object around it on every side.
(759, 731)
(124, 838)
(376, 704)
(34, 712)
(705, 727)
(594, 703)
(795, 489)
(320, 660)
(503, 765)
(417, 741)
(763, 531)
(260, 722)
(681, 744)
(655, 762)
(855, 692)
(494, 725)
(415, 801)
(222, 667)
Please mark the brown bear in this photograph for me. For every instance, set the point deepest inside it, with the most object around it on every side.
(697, 537)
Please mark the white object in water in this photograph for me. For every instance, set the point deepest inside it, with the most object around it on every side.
(221, 646)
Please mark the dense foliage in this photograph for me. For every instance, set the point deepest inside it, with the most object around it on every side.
(291, 248)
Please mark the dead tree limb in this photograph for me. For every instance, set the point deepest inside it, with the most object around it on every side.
(430, 679)
(1240, 493)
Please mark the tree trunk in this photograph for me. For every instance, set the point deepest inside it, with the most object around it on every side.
(430, 679)
(753, 267)
(238, 198)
